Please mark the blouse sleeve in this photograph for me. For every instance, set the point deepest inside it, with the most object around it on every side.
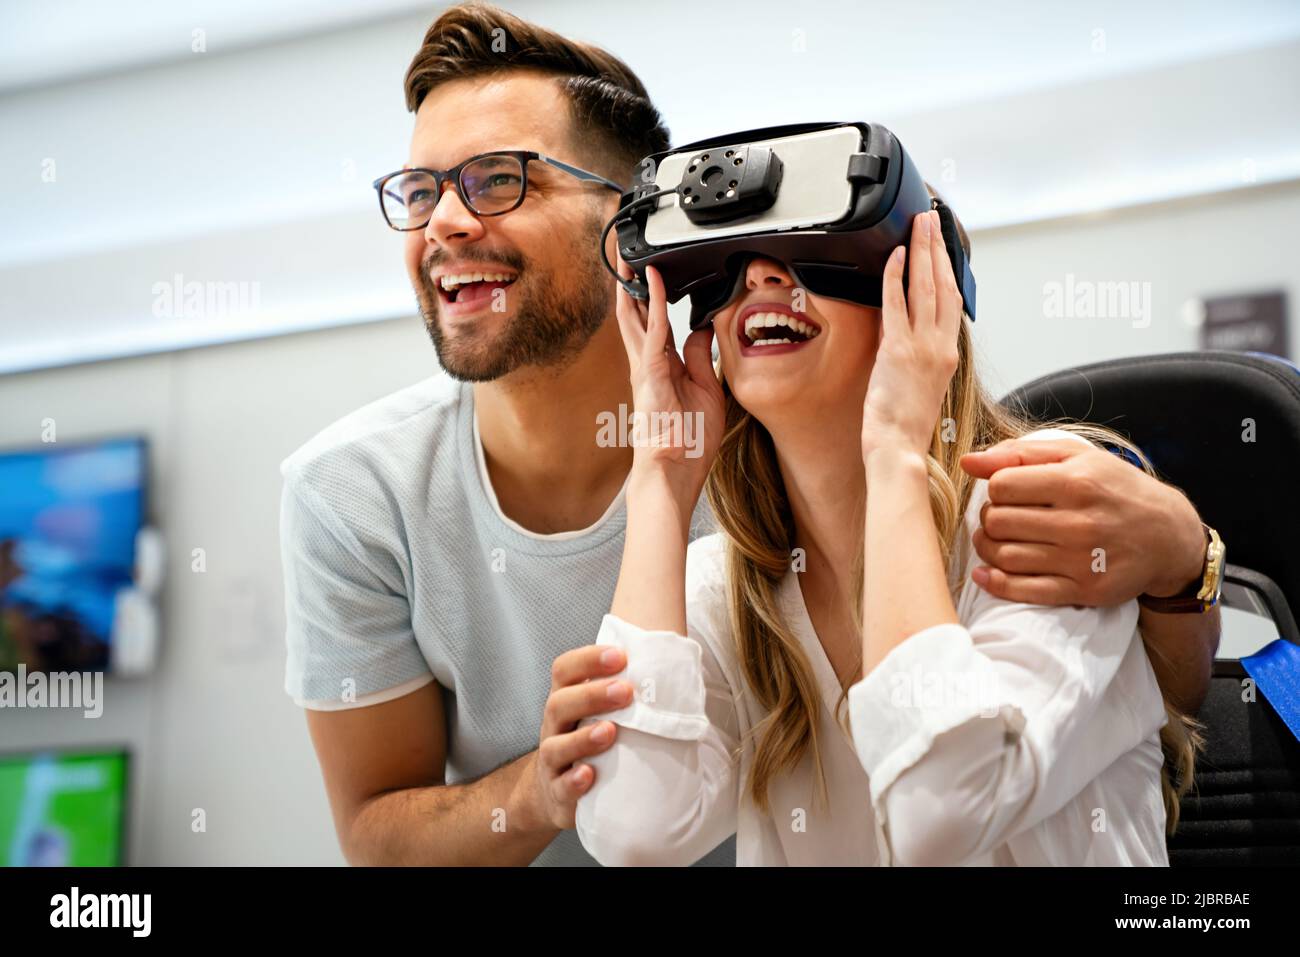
(972, 733)
(666, 791)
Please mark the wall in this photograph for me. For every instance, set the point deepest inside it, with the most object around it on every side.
(213, 728)
(252, 165)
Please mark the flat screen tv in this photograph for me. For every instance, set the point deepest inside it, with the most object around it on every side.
(64, 808)
(69, 517)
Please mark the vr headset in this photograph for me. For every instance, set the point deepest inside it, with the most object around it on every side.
(829, 200)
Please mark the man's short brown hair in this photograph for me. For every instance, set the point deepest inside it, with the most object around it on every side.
(611, 110)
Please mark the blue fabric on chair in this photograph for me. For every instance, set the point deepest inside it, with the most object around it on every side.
(1276, 670)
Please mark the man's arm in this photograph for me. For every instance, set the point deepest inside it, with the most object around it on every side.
(1181, 649)
(384, 767)
(1069, 523)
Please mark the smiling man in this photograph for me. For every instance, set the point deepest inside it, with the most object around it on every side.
(450, 550)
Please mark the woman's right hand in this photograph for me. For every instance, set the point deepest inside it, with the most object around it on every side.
(678, 403)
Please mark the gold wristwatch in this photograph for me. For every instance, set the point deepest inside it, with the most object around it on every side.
(1200, 596)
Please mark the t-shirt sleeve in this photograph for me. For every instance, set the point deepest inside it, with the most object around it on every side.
(347, 617)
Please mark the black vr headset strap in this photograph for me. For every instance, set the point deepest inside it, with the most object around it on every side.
(960, 265)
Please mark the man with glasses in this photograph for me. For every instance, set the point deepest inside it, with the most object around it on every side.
(449, 551)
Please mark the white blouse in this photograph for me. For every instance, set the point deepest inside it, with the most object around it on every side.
(1025, 735)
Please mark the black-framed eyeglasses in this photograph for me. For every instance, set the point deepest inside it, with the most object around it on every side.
(489, 184)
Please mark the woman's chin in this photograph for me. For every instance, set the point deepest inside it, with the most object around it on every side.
(773, 398)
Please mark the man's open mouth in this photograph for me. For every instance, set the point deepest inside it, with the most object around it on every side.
(777, 329)
(469, 286)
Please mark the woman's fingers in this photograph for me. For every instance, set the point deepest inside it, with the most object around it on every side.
(920, 273)
(948, 308)
(630, 315)
(657, 328)
(893, 302)
(698, 354)
(647, 333)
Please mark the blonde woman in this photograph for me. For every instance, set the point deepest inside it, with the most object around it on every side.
(822, 678)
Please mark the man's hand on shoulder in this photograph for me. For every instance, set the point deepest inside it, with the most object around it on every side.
(1068, 523)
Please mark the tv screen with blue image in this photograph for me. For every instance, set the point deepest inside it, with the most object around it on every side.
(69, 516)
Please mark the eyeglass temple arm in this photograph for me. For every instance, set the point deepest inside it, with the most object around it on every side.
(581, 173)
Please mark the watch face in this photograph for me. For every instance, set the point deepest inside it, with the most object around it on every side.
(1214, 559)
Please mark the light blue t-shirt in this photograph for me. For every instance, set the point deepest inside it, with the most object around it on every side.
(401, 569)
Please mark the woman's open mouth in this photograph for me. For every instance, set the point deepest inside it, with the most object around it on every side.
(773, 328)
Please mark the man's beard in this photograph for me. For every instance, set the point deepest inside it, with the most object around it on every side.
(550, 326)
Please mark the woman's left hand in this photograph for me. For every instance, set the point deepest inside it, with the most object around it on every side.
(917, 355)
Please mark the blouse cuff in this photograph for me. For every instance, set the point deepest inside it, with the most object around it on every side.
(931, 683)
(667, 676)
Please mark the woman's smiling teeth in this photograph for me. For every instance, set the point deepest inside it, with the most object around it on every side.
(777, 328)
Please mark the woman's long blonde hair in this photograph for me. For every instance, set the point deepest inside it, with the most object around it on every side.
(748, 497)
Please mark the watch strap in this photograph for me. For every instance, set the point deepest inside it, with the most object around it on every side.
(1203, 593)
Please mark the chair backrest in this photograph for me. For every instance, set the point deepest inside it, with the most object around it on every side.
(1225, 428)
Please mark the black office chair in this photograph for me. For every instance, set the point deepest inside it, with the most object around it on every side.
(1192, 413)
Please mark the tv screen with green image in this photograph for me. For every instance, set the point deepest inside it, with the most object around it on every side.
(62, 808)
